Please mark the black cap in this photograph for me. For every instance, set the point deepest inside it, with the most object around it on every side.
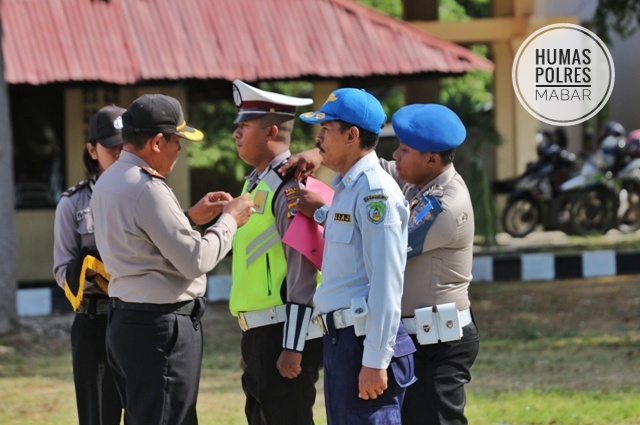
(105, 126)
(158, 113)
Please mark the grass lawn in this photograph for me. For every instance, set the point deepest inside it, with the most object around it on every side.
(564, 352)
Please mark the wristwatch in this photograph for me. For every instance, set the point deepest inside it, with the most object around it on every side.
(320, 216)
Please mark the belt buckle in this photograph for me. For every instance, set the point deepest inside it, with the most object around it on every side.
(318, 320)
(242, 321)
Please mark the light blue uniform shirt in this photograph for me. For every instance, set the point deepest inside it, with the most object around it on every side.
(365, 254)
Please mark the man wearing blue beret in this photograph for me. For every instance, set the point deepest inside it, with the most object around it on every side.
(367, 353)
(435, 303)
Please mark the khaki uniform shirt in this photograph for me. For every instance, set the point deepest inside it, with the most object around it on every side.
(145, 240)
(442, 273)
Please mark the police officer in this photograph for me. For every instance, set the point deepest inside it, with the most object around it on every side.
(438, 271)
(435, 304)
(97, 399)
(157, 263)
(367, 353)
(273, 284)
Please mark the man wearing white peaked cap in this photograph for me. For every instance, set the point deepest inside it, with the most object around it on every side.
(273, 284)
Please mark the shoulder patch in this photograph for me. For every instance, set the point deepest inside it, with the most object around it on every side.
(153, 173)
(292, 194)
(377, 211)
(74, 189)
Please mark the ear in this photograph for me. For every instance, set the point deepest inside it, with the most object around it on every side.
(273, 131)
(353, 134)
(93, 151)
(154, 142)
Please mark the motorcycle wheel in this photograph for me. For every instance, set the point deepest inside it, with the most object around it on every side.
(521, 216)
(629, 216)
(593, 211)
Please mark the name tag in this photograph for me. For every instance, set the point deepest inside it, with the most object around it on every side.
(342, 217)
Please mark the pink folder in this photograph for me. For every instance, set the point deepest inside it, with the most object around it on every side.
(303, 234)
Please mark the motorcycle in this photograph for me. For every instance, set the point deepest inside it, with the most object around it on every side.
(606, 192)
(533, 199)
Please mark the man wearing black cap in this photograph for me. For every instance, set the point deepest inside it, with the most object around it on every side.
(97, 399)
(273, 284)
(158, 263)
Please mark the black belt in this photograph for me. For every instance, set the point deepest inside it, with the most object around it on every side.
(93, 305)
(186, 308)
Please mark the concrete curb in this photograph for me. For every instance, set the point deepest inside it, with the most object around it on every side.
(493, 267)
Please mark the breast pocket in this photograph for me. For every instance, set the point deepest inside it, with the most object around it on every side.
(85, 225)
(340, 253)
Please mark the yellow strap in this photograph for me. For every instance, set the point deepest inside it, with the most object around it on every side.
(102, 279)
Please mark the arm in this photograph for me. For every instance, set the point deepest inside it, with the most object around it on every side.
(386, 280)
(66, 241)
(160, 216)
(301, 285)
(305, 163)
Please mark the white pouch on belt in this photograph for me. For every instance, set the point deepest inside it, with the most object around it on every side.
(426, 331)
(437, 324)
(448, 322)
(359, 310)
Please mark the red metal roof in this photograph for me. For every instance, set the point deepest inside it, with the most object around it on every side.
(132, 41)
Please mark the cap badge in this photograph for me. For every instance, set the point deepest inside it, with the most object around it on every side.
(117, 123)
(332, 98)
(237, 97)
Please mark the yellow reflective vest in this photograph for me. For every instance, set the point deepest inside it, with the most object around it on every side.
(259, 265)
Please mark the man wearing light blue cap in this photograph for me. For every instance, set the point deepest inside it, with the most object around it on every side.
(364, 258)
(435, 304)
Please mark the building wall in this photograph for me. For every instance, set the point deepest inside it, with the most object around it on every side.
(35, 227)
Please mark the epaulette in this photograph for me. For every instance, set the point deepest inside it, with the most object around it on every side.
(153, 173)
(74, 189)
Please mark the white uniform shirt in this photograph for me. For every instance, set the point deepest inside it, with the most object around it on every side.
(365, 254)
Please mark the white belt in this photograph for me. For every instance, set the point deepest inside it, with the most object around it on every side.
(463, 315)
(341, 319)
(270, 316)
(257, 318)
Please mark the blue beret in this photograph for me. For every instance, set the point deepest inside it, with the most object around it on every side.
(428, 127)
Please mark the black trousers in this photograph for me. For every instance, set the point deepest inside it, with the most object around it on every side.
(96, 393)
(156, 359)
(438, 397)
(270, 398)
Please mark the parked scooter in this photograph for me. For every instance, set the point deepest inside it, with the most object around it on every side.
(533, 200)
(606, 192)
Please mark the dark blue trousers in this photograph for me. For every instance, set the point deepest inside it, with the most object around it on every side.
(342, 364)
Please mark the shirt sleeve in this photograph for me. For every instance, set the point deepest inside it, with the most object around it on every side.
(66, 241)
(301, 273)
(382, 220)
(193, 255)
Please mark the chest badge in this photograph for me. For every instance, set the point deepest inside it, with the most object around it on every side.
(260, 201)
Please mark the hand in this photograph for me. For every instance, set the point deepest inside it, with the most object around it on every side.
(309, 202)
(209, 207)
(240, 209)
(305, 163)
(288, 364)
(242, 365)
(371, 382)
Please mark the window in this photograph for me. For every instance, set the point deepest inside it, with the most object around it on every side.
(37, 115)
